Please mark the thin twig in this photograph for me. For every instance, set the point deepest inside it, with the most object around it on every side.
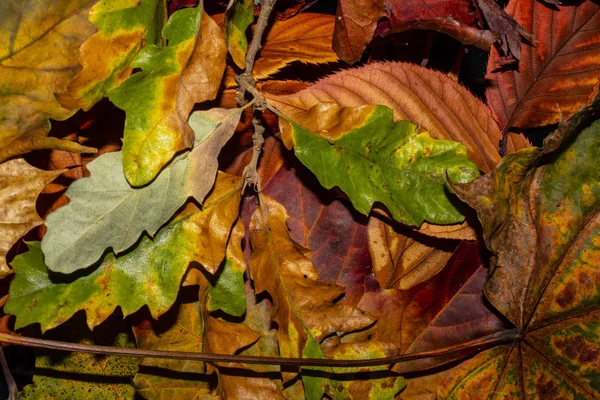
(13, 390)
(496, 339)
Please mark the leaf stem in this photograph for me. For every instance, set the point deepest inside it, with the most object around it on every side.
(10, 382)
(503, 337)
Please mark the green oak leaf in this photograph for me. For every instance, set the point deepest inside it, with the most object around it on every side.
(239, 17)
(106, 212)
(149, 275)
(374, 159)
(158, 99)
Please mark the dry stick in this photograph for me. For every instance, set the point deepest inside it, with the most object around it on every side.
(10, 382)
(496, 339)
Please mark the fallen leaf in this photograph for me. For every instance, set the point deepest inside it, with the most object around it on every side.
(425, 97)
(546, 282)
(239, 16)
(158, 99)
(303, 307)
(305, 38)
(123, 27)
(358, 20)
(371, 158)
(448, 309)
(82, 375)
(148, 275)
(400, 259)
(20, 185)
(38, 57)
(80, 232)
(556, 74)
(505, 26)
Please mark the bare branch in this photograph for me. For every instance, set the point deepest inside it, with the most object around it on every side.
(10, 382)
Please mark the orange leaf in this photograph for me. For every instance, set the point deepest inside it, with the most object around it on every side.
(305, 37)
(428, 98)
(557, 75)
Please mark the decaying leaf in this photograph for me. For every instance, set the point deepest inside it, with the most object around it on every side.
(304, 38)
(374, 159)
(158, 99)
(106, 212)
(20, 185)
(425, 97)
(540, 212)
(123, 27)
(81, 375)
(239, 16)
(148, 275)
(556, 74)
(39, 43)
(303, 307)
(401, 260)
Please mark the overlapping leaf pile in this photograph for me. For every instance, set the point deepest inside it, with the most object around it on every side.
(349, 238)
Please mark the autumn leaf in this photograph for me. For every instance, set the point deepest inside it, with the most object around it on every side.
(148, 275)
(401, 259)
(123, 27)
(425, 97)
(556, 74)
(82, 375)
(106, 212)
(38, 57)
(158, 99)
(357, 21)
(303, 307)
(20, 185)
(305, 38)
(239, 16)
(546, 281)
(373, 159)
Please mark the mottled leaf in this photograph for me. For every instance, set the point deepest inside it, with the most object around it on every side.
(81, 375)
(39, 43)
(304, 308)
(123, 27)
(428, 98)
(545, 281)
(148, 275)
(239, 16)
(158, 99)
(374, 159)
(557, 72)
(106, 212)
(20, 185)
(305, 38)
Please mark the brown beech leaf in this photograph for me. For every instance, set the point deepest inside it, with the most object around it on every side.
(540, 212)
(20, 185)
(401, 259)
(428, 98)
(449, 309)
(358, 20)
(38, 57)
(305, 38)
(557, 74)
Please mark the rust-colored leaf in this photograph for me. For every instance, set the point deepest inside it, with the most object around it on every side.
(541, 220)
(305, 38)
(557, 72)
(428, 98)
(20, 185)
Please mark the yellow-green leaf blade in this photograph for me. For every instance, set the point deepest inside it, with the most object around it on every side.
(374, 159)
(239, 17)
(123, 26)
